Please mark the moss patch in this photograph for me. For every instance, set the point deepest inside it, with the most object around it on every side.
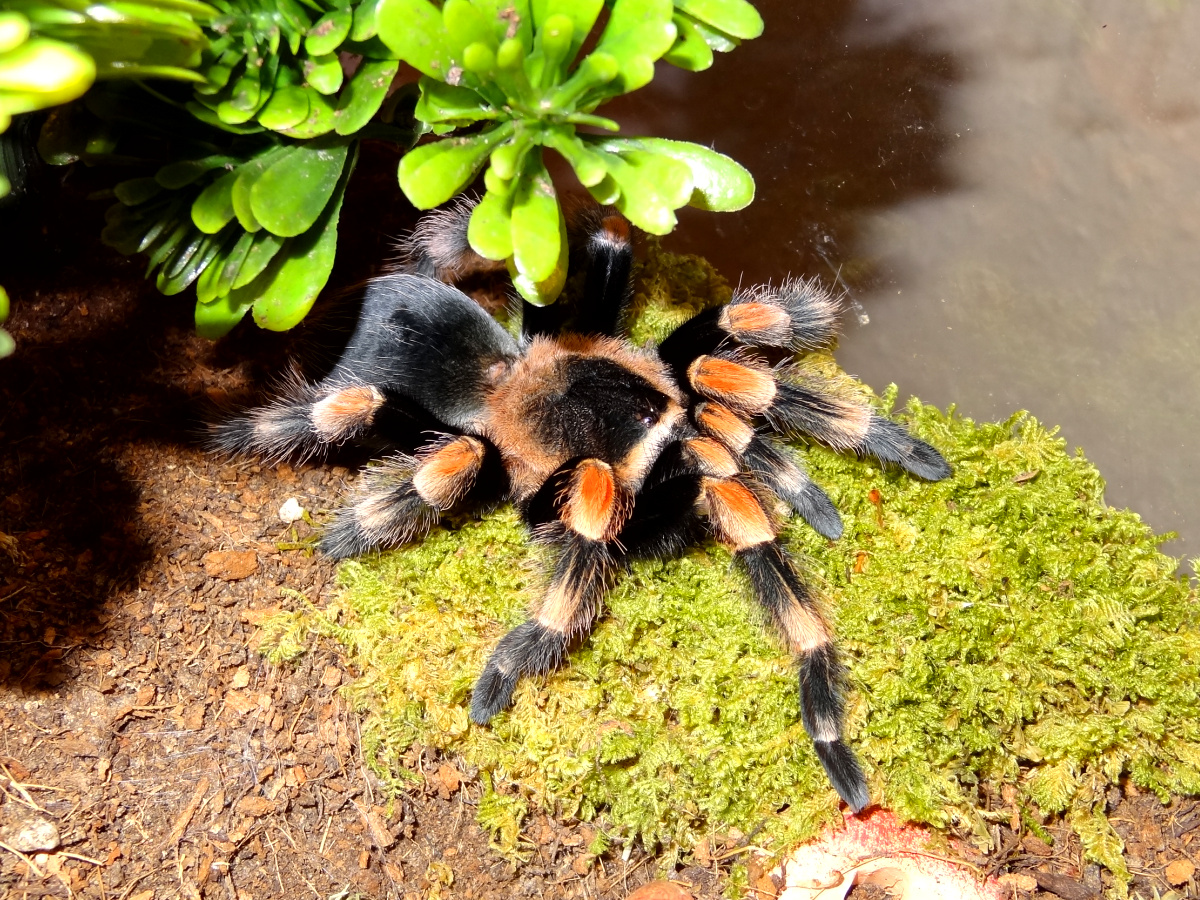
(1003, 627)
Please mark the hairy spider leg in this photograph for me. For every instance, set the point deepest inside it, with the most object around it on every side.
(777, 468)
(439, 247)
(605, 252)
(738, 520)
(304, 420)
(846, 424)
(591, 507)
(402, 499)
(422, 357)
(797, 315)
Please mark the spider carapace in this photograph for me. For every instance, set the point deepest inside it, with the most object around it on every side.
(610, 451)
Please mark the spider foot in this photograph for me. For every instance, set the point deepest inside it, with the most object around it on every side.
(844, 773)
(528, 649)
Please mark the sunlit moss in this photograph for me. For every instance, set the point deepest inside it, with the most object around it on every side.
(1002, 627)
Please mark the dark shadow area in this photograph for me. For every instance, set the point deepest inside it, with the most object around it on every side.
(105, 363)
(835, 113)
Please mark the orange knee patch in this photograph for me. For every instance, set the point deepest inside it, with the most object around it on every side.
(449, 472)
(747, 390)
(615, 229)
(763, 321)
(339, 415)
(726, 426)
(593, 507)
(712, 458)
(738, 518)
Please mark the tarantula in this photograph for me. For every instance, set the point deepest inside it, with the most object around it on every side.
(609, 451)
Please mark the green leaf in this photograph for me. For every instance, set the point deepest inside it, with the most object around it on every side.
(365, 93)
(204, 114)
(137, 191)
(248, 173)
(41, 73)
(589, 166)
(228, 266)
(642, 201)
(553, 41)
(328, 32)
(243, 99)
(464, 25)
(14, 31)
(734, 17)
(324, 73)
(542, 293)
(720, 183)
(207, 251)
(262, 250)
(638, 33)
(177, 261)
(320, 119)
(536, 222)
(583, 15)
(490, 230)
(441, 102)
(714, 37)
(186, 171)
(206, 285)
(213, 209)
(365, 21)
(509, 157)
(287, 108)
(597, 70)
(164, 236)
(690, 51)
(215, 320)
(672, 178)
(289, 196)
(433, 173)
(298, 275)
(413, 31)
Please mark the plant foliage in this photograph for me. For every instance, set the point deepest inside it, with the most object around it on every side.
(1002, 627)
(247, 211)
(506, 78)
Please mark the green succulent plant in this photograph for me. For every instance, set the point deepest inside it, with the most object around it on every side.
(504, 76)
(263, 136)
(6, 342)
(276, 64)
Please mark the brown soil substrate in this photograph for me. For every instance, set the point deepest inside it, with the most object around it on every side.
(147, 750)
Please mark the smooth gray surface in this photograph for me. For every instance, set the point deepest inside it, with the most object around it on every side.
(1011, 192)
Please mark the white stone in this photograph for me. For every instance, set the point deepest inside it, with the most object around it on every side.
(291, 511)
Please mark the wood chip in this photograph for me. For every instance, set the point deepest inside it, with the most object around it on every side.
(1035, 845)
(1019, 881)
(230, 565)
(185, 817)
(257, 616)
(449, 777)
(1180, 872)
(255, 806)
(660, 890)
(1064, 886)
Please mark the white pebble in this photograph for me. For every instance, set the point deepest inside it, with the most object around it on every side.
(291, 511)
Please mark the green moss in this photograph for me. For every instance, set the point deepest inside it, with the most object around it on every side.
(1002, 627)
